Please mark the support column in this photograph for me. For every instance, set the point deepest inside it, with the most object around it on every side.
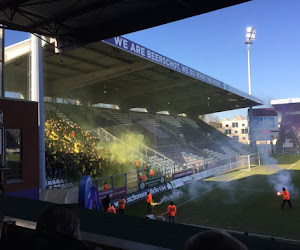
(2, 63)
(250, 127)
(37, 94)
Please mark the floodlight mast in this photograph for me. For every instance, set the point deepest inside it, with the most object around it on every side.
(250, 37)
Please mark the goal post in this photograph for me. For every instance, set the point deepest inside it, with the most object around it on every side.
(247, 162)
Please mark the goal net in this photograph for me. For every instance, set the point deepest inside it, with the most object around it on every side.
(247, 162)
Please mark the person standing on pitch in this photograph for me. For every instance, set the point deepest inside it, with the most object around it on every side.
(172, 212)
(286, 197)
(149, 201)
(122, 203)
(111, 209)
(106, 202)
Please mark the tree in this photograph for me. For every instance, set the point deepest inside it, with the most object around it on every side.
(211, 120)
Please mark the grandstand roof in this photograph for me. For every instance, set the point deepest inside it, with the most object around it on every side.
(107, 72)
(76, 21)
(284, 105)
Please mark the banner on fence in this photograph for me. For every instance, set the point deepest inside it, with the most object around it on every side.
(140, 195)
(177, 183)
(211, 172)
(152, 183)
(114, 193)
(187, 179)
(182, 174)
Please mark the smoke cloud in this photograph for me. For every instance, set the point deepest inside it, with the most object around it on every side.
(282, 177)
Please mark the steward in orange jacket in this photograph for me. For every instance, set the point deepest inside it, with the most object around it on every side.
(106, 188)
(122, 203)
(144, 178)
(111, 209)
(172, 212)
(152, 172)
(286, 198)
(149, 201)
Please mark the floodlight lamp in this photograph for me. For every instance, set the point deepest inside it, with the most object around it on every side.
(249, 29)
(250, 35)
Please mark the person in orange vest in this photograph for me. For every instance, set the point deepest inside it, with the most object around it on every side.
(172, 212)
(286, 197)
(137, 163)
(144, 178)
(122, 203)
(151, 172)
(149, 201)
(106, 188)
(111, 209)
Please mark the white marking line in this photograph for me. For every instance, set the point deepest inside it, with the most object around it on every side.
(241, 174)
(292, 166)
(192, 199)
(255, 190)
(249, 189)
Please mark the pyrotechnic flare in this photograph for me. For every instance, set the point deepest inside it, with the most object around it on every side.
(158, 203)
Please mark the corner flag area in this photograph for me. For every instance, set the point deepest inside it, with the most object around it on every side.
(244, 201)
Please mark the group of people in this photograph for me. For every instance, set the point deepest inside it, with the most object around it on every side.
(110, 208)
(171, 210)
(71, 151)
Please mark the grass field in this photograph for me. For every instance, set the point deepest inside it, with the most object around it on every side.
(241, 200)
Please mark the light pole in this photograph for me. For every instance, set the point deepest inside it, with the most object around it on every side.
(250, 37)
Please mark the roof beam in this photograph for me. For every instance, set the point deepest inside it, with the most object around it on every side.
(94, 77)
(151, 89)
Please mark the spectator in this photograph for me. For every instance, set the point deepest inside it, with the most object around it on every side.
(106, 188)
(106, 202)
(214, 240)
(144, 178)
(58, 228)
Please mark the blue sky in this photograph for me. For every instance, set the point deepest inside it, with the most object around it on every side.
(213, 43)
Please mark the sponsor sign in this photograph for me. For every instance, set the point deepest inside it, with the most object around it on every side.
(141, 195)
(152, 183)
(114, 193)
(187, 179)
(211, 172)
(182, 174)
(177, 183)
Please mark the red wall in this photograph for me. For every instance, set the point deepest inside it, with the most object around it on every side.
(19, 114)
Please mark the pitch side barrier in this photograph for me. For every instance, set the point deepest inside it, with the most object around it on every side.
(155, 186)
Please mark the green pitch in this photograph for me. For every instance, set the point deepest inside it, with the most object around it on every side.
(240, 200)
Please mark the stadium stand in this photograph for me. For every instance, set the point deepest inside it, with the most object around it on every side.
(289, 134)
(87, 139)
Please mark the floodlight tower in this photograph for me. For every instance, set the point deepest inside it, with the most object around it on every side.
(250, 37)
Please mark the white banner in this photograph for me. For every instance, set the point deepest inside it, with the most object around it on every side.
(177, 183)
